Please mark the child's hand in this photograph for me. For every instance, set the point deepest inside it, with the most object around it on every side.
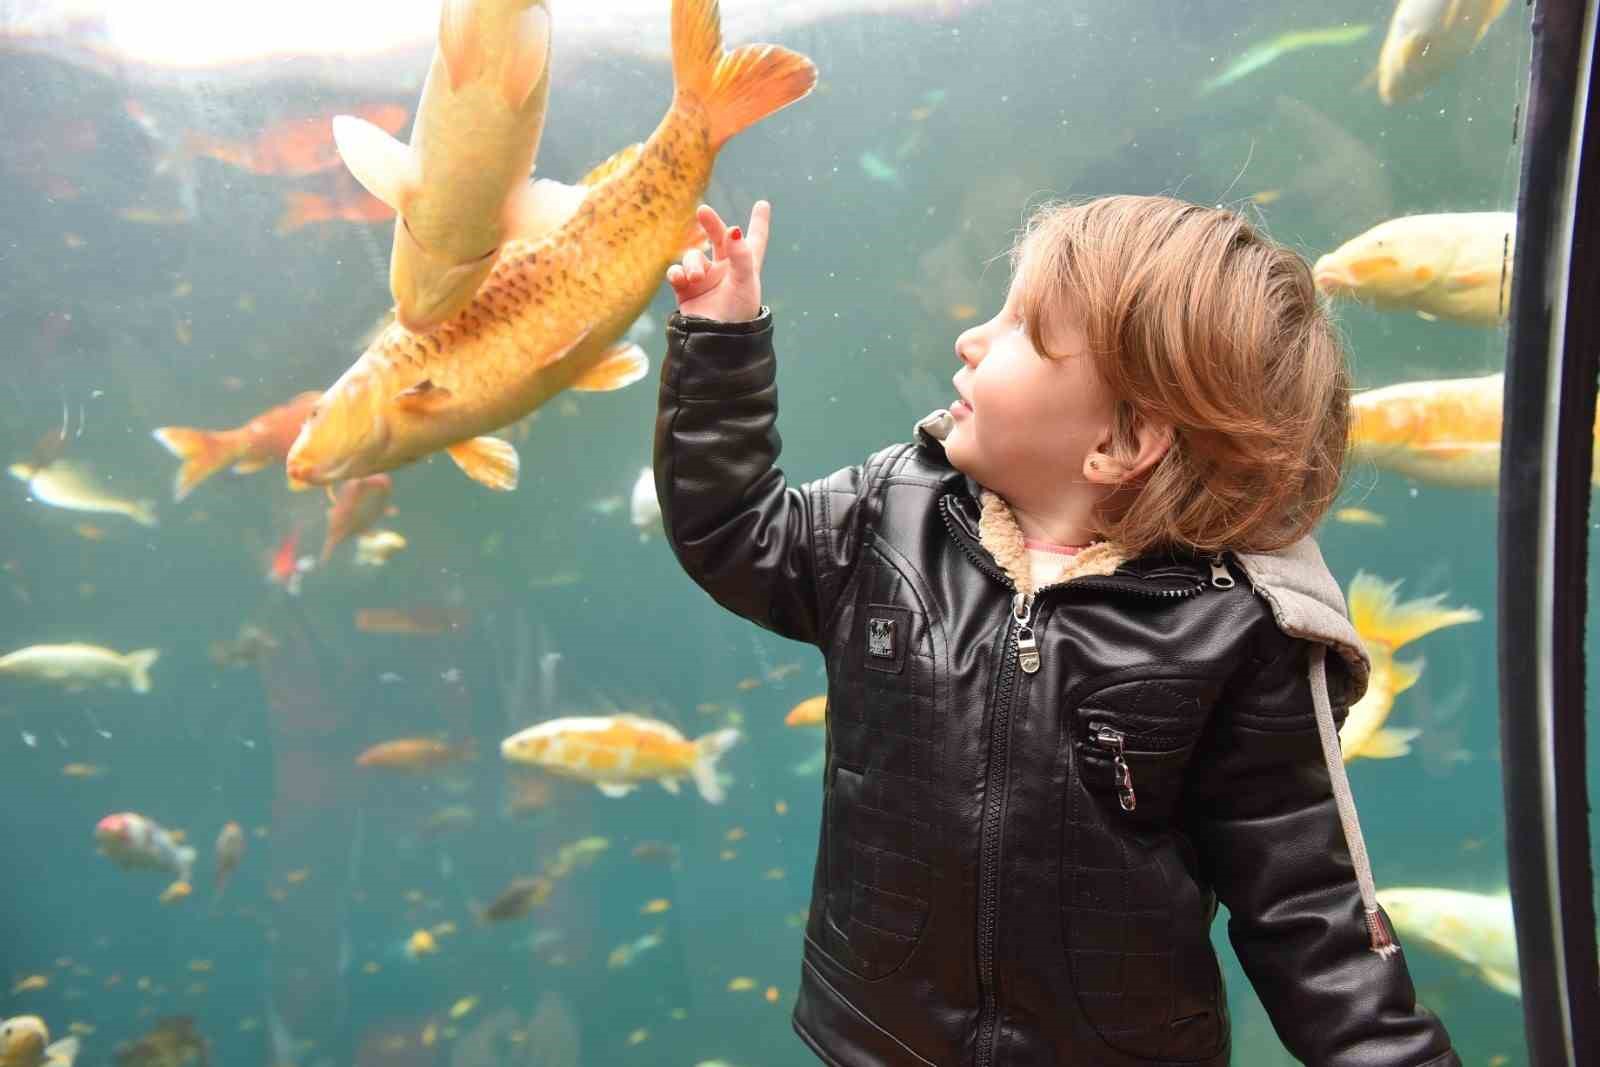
(727, 287)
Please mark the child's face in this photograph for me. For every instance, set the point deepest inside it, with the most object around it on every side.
(1025, 422)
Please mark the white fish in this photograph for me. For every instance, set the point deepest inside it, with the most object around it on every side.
(644, 509)
(72, 488)
(79, 666)
(617, 752)
(1428, 37)
(136, 843)
(1453, 266)
(1475, 928)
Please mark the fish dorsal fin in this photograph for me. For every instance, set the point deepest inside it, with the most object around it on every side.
(424, 396)
(383, 165)
(488, 461)
(648, 726)
(620, 365)
(528, 56)
(610, 166)
(537, 209)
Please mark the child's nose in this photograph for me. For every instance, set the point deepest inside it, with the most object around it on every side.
(968, 348)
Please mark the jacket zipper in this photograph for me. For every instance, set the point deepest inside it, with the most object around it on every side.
(1022, 653)
(1113, 741)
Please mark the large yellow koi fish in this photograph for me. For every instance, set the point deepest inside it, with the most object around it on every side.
(552, 311)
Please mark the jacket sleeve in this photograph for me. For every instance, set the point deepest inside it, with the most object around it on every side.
(774, 554)
(1260, 809)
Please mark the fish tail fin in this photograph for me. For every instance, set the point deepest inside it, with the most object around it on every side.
(1379, 616)
(139, 664)
(63, 1053)
(738, 88)
(1403, 676)
(143, 512)
(204, 453)
(709, 749)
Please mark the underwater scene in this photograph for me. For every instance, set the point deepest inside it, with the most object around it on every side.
(260, 807)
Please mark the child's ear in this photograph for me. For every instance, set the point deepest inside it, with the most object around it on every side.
(1105, 466)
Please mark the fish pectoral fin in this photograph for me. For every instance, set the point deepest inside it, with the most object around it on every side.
(251, 466)
(1389, 743)
(621, 365)
(63, 1053)
(1510, 984)
(611, 165)
(382, 165)
(529, 57)
(423, 397)
(670, 785)
(488, 461)
(615, 789)
(538, 208)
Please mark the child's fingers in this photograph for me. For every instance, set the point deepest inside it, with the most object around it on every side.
(760, 227)
(695, 264)
(716, 231)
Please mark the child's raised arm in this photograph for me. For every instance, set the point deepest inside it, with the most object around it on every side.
(769, 552)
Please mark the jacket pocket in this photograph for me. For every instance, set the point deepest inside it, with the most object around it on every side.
(1134, 921)
(876, 893)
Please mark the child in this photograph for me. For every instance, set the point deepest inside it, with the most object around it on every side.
(1059, 729)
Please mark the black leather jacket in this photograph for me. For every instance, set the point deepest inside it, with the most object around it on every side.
(982, 895)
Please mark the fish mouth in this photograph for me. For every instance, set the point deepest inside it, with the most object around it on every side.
(1330, 279)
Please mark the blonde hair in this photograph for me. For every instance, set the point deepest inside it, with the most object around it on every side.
(1196, 319)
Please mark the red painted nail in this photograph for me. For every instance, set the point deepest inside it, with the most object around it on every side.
(736, 234)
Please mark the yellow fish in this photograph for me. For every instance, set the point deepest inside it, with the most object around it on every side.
(552, 312)
(1385, 627)
(460, 187)
(421, 943)
(617, 752)
(1475, 928)
(72, 488)
(813, 711)
(25, 1042)
(1445, 431)
(377, 547)
(79, 666)
(1451, 266)
(1428, 37)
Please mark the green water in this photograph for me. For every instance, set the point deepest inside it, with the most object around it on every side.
(895, 186)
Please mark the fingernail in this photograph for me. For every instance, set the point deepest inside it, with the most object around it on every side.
(736, 234)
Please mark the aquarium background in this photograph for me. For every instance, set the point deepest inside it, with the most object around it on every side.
(148, 284)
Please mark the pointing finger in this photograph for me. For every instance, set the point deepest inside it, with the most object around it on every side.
(760, 227)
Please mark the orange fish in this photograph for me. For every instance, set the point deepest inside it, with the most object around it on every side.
(285, 569)
(415, 755)
(425, 621)
(356, 507)
(617, 752)
(810, 712)
(554, 312)
(348, 203)
(292, 147)
(262, 441)
(230, 850)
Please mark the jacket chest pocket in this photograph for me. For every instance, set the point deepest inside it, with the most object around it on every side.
(1133, 921)
(877, 828)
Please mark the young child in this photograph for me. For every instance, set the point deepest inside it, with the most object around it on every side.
(1060, 728)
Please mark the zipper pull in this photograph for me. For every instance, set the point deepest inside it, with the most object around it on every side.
(1106, 737)
(1220, 578)
(1027, 647)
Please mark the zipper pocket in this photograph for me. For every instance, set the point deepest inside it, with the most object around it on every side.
(1113, 741)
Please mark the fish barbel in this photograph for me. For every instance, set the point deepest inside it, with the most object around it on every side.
(552, 311)
(461, 185)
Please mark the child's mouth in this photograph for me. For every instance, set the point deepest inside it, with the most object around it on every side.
(961, 407)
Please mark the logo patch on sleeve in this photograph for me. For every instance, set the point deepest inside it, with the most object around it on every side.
(880, 637)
